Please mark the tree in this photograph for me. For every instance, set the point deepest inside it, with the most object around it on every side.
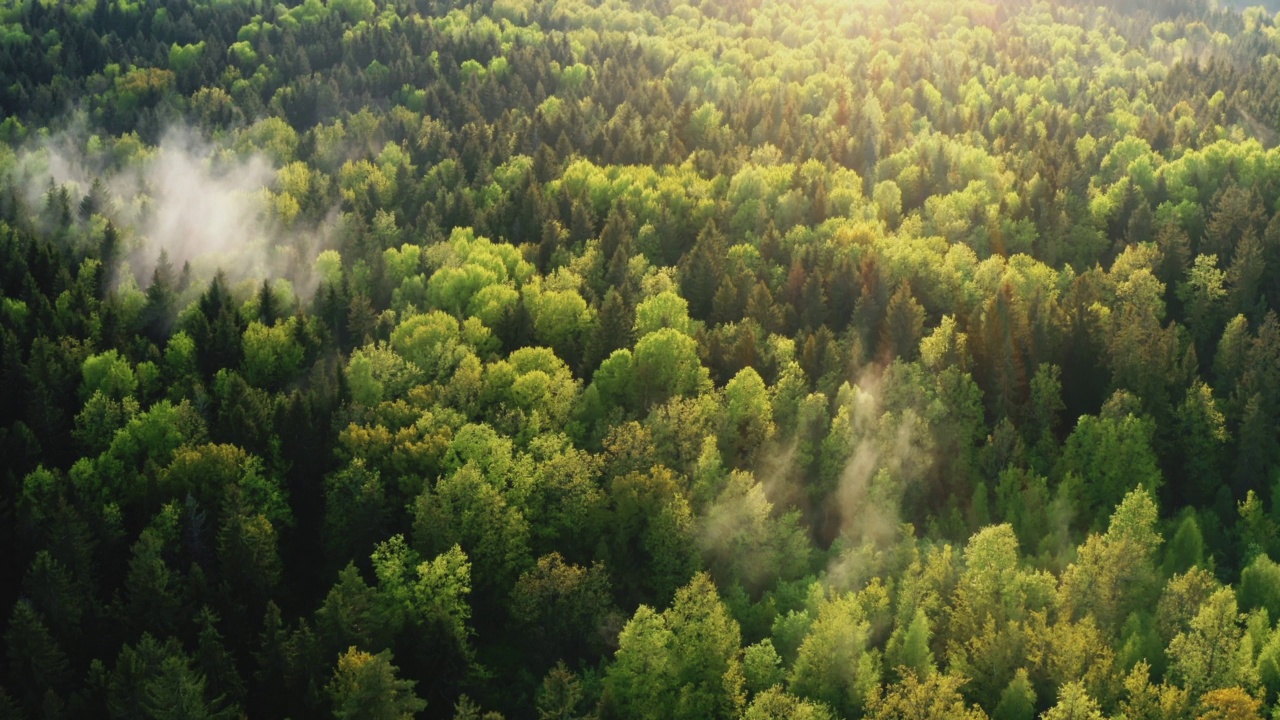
(1186, 550)
(468, 511)
(614, 331)
(750, 418)
(744, 542)
(562, 608)
(1182, 599)
(835, 666)
(1229, 704)
(97, 424)
(701, 269)
(365, 686)
(1143, 351)
(762, 667)
(36, 662)
(1202, 293)
(903, 325)
(151, 587)
(1202, 436)
(1115, 573)
(1260, 585)
(987, 637)
(97, 200)
(682, 663)
(180, 365)
(1144, 701)
(908, 648)
(272, 355)
(1175, 253)
(563, 321)
(429, 596)
(664, 310)
(1018, 701)
(777, 704)
(998, 345)
(110, 374)
(652, 527)
(638, 677)
(667, 365)
(57, 595)
(217, 329)
(1269, 665)
(431, 341)
(935, 697)
(534, 387)
(248, 554)
(1210, 654)
(1074, 703)
(1245, 276)
(357, 510)
(559, 493)
(178, 692)
(214, 660)
(1112, 455)
(158, 313)
(560, 695)
(352, 613)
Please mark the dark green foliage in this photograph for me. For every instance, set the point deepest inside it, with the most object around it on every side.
(803, 359)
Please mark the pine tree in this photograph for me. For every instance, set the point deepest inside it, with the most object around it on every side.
(613, 331)
(903, 325)
(1245, 276)
(913, 652)
(36, 663)
(1018, 701)
(701, 270)
(177, 692)
(158, 313)
(268, 306)
(96, 201)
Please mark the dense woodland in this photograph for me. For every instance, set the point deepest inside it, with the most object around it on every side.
(639, 359)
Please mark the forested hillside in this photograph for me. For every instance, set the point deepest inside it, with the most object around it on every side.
(639, 359)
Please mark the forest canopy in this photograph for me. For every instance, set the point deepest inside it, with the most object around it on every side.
(640, 359)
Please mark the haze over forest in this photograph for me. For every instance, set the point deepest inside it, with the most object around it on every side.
(631, 359)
